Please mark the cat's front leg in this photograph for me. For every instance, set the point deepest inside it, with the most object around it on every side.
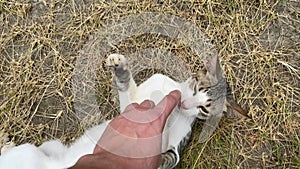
(123, 79)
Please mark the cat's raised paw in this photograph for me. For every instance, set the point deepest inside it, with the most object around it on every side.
(116, 61)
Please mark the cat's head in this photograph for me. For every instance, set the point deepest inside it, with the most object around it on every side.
(211, 94)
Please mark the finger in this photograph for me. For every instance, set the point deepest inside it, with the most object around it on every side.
(169, 102)
(139, 113)
(166, 106)
(131, 107)
(147, 104)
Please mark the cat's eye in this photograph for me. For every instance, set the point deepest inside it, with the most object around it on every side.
(203, 110)
(208, 103)
(202, 89)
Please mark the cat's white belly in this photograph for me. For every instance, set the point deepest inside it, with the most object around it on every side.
(176, 128)
(155, 88)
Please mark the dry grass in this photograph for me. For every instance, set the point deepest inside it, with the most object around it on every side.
(258, 43)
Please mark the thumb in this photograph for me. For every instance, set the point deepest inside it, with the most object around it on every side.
(165, 107)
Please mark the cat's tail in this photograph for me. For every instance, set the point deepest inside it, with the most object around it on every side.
(5, 143)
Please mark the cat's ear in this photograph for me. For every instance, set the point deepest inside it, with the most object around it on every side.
(213, 67)
(233, 109)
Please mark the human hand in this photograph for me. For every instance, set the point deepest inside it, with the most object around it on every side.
(133, 139)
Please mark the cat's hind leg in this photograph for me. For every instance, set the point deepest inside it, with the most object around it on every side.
(123, 79)
(169, 159)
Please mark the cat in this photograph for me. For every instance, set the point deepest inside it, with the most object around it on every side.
(204, 96)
